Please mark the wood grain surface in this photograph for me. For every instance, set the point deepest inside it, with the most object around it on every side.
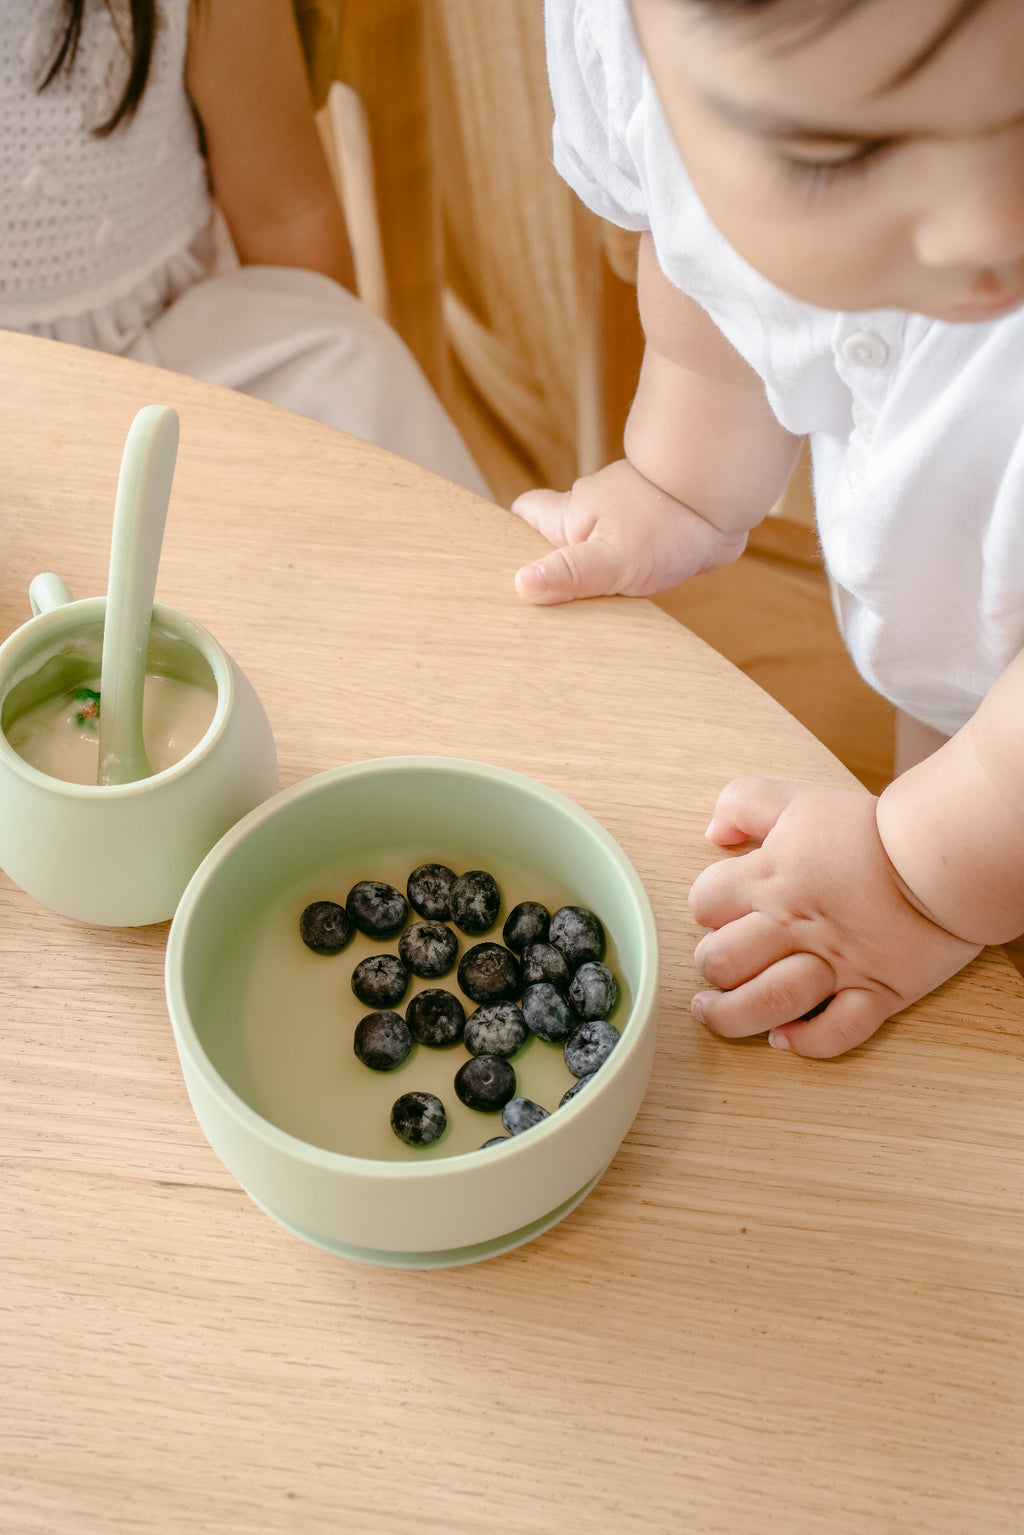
(794, 1303)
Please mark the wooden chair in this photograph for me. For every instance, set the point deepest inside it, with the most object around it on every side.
(518, 303)
(438, 135)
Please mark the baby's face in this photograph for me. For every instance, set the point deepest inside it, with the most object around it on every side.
(840, 171)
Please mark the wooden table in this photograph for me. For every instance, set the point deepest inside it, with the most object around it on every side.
(795, 1303)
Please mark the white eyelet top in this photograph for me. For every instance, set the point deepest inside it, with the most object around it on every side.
(98, 235)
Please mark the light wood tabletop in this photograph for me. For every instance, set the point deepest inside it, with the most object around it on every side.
(795, 1301)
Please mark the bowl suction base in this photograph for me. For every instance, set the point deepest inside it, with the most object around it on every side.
(452, 1257)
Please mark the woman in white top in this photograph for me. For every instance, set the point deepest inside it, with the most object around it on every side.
(123, 123)
(832, 199)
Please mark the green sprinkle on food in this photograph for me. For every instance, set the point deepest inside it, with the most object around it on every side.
(87, 708)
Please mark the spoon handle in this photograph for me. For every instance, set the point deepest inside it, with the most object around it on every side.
(140, 514)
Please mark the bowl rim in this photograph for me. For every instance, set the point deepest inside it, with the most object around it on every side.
(373, 1168)
(84, 611)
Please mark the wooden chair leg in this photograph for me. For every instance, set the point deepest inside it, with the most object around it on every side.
(345, 131)
(385, 58)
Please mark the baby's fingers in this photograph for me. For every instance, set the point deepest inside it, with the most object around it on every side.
(747, 809)
(590, 569)
(850, 1018)
(581, 565)
(544, 510)
(740, 949)
(780, 994)
(724, 891)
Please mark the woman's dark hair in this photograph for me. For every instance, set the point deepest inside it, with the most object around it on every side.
(139, 49)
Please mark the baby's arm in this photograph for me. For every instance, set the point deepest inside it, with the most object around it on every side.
(953, 826)
(247, 79)
(872, 902)
(705, 460)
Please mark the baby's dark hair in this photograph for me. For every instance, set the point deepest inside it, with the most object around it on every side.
(139, 49)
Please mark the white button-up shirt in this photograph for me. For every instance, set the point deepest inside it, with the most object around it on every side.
(915, 425)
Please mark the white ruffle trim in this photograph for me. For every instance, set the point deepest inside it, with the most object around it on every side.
(116, 324)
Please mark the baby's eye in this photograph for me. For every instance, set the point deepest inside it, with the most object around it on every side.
(828, 166)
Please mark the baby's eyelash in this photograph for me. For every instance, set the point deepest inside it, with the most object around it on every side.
(819, 175)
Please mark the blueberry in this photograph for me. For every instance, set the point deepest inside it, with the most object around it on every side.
(578, 933)
(589, 1046)
(543, 962)
(548, 1012)
(571, 1092)
(436, 1017)
(521, 1114)
(429, 889)
(485, 1082)
(495, 1140)
(428, 948)
(526, 923)
(489, 973)
(594, 990)
(418, 1119)
(380, 980)
(497, 1028)
(377, 909)
(476, 901)
(325, 927)
(382, 1040)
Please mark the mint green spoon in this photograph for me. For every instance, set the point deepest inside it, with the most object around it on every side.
(140, 514)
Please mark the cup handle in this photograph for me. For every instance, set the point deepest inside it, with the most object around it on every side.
(48, 592)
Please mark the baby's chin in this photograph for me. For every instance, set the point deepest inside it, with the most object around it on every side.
(980, 312)
(965, 306)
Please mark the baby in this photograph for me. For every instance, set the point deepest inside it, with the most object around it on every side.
(831, 200)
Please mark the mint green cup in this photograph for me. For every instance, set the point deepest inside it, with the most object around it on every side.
(120, 855)
(264, 1027)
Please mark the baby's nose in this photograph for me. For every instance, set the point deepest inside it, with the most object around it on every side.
(975, 214)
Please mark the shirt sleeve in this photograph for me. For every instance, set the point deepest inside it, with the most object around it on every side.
(595, 73)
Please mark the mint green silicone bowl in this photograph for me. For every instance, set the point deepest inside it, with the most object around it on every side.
(264, 1027)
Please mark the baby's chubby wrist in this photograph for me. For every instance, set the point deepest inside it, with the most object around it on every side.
(956, 859)
(894, 833)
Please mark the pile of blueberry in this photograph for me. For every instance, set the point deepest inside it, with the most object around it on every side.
(547, 979)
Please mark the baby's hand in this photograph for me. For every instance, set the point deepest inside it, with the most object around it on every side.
(816, 911)
(616, 532)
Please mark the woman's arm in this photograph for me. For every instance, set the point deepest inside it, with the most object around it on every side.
(247, 78)
(705, 461)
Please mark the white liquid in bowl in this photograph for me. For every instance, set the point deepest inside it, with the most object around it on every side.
(60, 736)
(286, 1017)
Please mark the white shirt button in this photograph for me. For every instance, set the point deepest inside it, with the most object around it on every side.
(865, 349)
(863, 419)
